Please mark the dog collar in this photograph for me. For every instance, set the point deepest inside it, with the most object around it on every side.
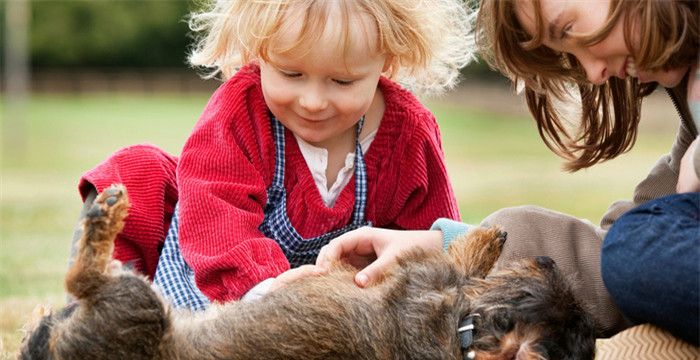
(466, 335)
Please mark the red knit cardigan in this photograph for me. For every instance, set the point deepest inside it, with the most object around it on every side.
(228, 163)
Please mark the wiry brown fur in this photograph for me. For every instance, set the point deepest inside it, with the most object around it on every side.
(524, 310)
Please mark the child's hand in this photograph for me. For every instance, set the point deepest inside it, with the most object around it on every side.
(376, 250)
(687, 177)
(295, 274)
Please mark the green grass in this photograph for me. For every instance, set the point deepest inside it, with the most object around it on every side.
(499, 161)
(494, 161)
(65, 136)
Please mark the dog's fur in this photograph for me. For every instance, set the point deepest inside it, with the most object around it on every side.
(523, 312)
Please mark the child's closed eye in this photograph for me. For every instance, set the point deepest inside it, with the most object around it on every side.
(290, 74)
(344, 82)
(566, 31)
(295, 74)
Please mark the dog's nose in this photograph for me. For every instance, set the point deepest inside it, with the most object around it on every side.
(545, 262)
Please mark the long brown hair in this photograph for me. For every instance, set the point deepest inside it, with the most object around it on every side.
(610, 112)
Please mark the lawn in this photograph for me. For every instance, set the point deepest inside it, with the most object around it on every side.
(494, 161)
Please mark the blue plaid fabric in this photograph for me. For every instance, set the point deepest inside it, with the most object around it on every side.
(276, 225)
(175, 277)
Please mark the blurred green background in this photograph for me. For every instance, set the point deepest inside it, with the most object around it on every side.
(106, 74)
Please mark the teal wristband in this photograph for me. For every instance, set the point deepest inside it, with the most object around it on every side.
(450, 230)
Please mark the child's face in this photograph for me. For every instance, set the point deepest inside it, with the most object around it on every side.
(318, 93)
(607, 58)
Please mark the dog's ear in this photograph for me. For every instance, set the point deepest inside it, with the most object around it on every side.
(475, 253)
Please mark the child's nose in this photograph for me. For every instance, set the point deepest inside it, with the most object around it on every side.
(313, 100)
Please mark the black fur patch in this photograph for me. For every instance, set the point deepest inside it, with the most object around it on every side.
(67, 311)
(37, 346)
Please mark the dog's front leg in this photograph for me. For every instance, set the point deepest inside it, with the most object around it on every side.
(101, 225)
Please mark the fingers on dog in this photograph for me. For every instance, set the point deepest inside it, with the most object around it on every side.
(337, 248)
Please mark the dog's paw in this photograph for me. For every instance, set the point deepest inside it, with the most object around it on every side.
(111, 201)
(105, 218)
(110, 206)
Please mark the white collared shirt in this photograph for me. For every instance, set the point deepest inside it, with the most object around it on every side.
(317, 161)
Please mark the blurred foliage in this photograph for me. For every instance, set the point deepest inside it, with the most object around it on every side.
(101, 33)
(479, 70)
(124, 34)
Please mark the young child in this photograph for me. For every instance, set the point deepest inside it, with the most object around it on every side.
(615, 53)
(308, 138)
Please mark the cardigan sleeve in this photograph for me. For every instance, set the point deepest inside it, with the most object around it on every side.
(424, 185)
(450, 230)
(222, 184)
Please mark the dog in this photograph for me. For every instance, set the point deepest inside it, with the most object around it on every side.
(433, 305)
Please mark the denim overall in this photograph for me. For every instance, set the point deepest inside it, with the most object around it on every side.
(174, 276)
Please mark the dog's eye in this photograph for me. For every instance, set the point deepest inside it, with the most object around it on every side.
(504, 322)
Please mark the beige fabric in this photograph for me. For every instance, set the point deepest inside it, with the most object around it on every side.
(575, 244)
(645, 342)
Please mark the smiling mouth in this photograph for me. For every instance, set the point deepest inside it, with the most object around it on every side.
(311, 120)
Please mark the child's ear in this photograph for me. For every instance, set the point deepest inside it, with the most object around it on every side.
(388, 63)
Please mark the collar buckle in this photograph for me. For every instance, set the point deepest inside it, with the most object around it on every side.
(465, 331)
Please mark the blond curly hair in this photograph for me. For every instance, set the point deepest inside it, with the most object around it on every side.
(428, 41)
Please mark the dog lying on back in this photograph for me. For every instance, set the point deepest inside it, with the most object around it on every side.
(433, 306)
